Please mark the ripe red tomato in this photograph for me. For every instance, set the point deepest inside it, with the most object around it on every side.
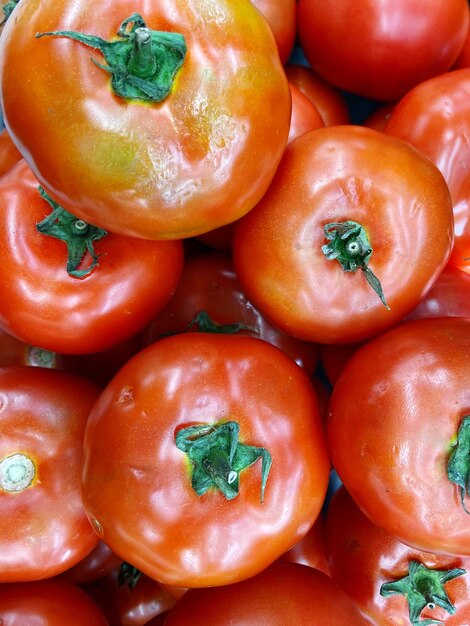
(328, 100)
(53, 602)
(331, 181)
(281, 16)
(448, 297)
(166, 428)
(435, 118)
(381, 50)
(310, 550)
(284, 593)
(9, 154)
(379, 118)
(209, 284)
(397, 432)
(45, 305)
(305, 115)
(388, 581)
(97, 564)
(199, 157)
(43, 527)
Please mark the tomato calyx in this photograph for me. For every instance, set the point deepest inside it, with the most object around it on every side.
(128, 575)
(7, 10)
(77, 234)
(217, 457)
(17, 472)
(203, 323)
(348, 243)
(40, 357)
(458, 465)
(143, 62)
(423, 588)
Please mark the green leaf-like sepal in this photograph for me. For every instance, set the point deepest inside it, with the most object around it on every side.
(458, 465)
(217, 457)
(8, 10)
(142, 63)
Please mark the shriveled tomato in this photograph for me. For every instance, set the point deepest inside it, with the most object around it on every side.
(284, 593)
(435, 118)
(205, 459)
(209, 297)
(43, 527)
(9, 154)
(399, 428)
(171, 137)
(305, 115)
(345, 198)
(48, 602)
(381, 50)
(390, 582)
(328, 100)
(281, 16)
(55, 300)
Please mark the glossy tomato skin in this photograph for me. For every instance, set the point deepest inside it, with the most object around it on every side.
(305, 115)
(44, 306)
(448, 297)
(363, 556)
(97, 564)
(310, 550)
(284, 593)
(156, 171)
(43, 416)
(381, 50)
(209, 283)
(281, 16)
(9, 154)
(395, 412)
(160, 525)
(435, 118)
(48, 603)
(338, 174)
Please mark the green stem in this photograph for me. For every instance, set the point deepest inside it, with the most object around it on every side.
(217, 457)
(458, 465)
(205, 324)
(348, 243)
(143, 63)
(128, 575)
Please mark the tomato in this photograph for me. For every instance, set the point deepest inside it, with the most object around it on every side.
(435, 118)
(379, 118)
(344, 188)
(310, 550)
(284, 593)
(46, 305)
(397, 429)
(305, 115)
(209, 284)
(381, 50)
(449, 296)
(43, 527)
(47, 603)
(281, 16)
(328, 100)
(333, 358)
(99, 562)
(190, 412)
(16, 352)
(9, 154)
(197, 159)
(390, 582)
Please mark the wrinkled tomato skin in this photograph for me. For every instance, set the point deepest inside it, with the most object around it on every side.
(281, 16)
(43, 416)
(363, 556)
(336, 174)
(42, 305)
(136, 484)
(47, 603)
(395, 412)
(435, 118)
(284, 593)
(209, 283)
(198, 160)
(381, 50)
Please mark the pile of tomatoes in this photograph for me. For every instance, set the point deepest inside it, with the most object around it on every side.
(235, 313)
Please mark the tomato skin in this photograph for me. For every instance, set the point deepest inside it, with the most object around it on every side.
(97, 564)
(335, 174)
(52, 602)
(43, 415)
(448, 297)
(363, 556)
(305, 115)
(199, 378)
(310, 550)
(209, 283)
(163, 171)
(44, 306)
(327, 99)
(435, 118)
(9, 154)
(381, 50)
(394, 415)
(281, 16)
(284, 593)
